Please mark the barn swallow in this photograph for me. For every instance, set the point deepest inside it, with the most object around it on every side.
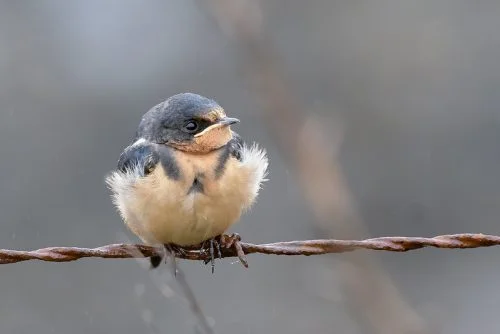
(187, 177)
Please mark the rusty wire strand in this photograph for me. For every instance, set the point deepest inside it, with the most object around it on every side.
(306, 247)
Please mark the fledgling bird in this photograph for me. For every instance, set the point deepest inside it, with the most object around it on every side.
(187, 177)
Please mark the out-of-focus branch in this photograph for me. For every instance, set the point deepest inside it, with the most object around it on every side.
(138, 252)
(304, 247)
(366, 287)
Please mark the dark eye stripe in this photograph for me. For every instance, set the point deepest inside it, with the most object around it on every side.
(200, 125)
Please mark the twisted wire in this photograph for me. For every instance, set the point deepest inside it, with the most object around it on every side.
(304, 247)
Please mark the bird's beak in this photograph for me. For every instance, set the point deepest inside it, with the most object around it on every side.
(228, 121)
(225, 121)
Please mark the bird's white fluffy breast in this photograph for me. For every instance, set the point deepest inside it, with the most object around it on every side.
(162, 210)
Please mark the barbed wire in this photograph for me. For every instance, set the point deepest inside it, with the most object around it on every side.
(304, 247)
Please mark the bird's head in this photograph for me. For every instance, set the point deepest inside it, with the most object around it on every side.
(187, 122)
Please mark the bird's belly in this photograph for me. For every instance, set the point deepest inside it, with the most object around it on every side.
(189, 221)
(167, 212)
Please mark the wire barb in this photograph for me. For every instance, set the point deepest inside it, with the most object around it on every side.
(305, 247)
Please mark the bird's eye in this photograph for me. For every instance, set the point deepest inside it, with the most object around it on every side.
(191, 126)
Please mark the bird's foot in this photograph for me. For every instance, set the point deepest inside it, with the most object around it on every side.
(176, 250)
(213, 245)
(220, 242)
(234, 241)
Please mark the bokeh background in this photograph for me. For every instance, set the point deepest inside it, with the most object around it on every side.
(407, 95)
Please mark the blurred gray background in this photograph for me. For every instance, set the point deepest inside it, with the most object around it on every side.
(416, 85)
